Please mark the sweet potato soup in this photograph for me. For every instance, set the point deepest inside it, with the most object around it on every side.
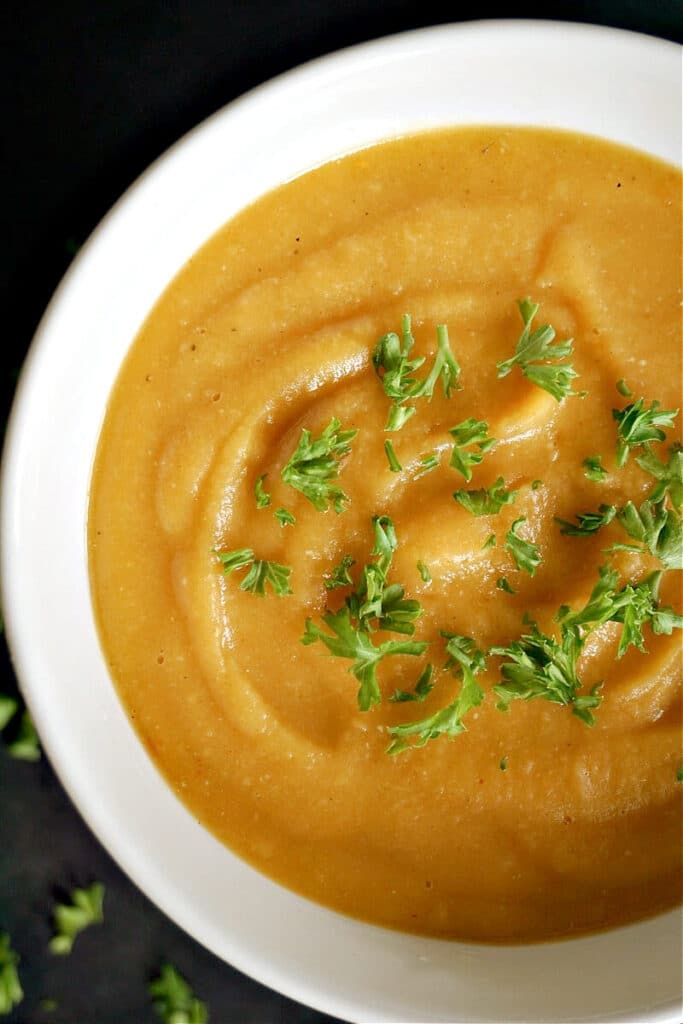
(386, 569)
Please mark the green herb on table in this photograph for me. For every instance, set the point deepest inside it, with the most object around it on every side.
(588, 522)
(260, 572)
(174, 1000)
(465, 660)
(527, 556)
(25, 746)
(285, 517)
(537, 356)
(637, 426)
(85, 909)
(262, 497)
(394, 465)
(11, 993)
(486, 501)
(8, 708)
(423, 687)
(594, 469)
(396, 371)
(373, 604)
(314, 466)
(470, 432)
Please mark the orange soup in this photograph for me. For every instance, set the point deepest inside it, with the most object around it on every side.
(493, 595)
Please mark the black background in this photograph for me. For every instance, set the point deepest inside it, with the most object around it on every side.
(92, 93)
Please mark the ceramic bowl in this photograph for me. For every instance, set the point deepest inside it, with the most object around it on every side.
(614, 84)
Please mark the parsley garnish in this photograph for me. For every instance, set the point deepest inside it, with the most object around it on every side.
(588, 522)
(11, 993)
(423, 687)
(669, 475)
(469, 432)
(373, 604)
(71, 919)
(490, 542)
(503, 763)
(25, 745)
(340, 574)
(637, 425)
(315, 464)
(527, 556)
(285, 517)
(624, 389)
(396, 371)
(465, 660)
(679, 773)
(427, 464)
(537, 356)
(394, 465)
(659, 529)
(8, 708)
(593, 468)
(486, 501)
(262, 497)
(424, 572)
(173, 999)
(502, 583)
(260, 572)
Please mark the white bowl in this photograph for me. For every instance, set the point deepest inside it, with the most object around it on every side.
(614, 84)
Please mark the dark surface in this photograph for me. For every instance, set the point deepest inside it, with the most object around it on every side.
(92, 94)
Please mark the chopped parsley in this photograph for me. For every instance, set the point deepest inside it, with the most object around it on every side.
(588, 522)
(679, 773)
(502, 583)
(465, 660)
(71, 919)
(486, 501)
(624, 389)
(427, 464)
(260, 572)
(262, 497)
(11, 993)
(285, 517)
(659, 530)
(25, 745)
(423, 687)
(373, 604)
(490, 542)
(503, 763)
(394, 465)
(669, 475)
(174, 1000)
(594, 469)
(396, 371)
(424, 572)
(637, 425)
(527, 556)
(470, 432)
(537, 356)
(340, 576)
(314, 466)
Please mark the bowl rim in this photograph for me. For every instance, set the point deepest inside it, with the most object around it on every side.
(18, 465)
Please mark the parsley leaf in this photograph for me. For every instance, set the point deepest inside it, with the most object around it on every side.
(588, 522)
(340, 574)
(490, 542)
(469, 432)
(527, 556)
(8, 708)
(373, 604)
(536, 355)
(71, 919)
(668, 474)
(394, 465)
(659, 529)
(315, 464)
(396, 371)
(465, 660)
(486, 501)
(502, 583)
(25, 746)
(624, 389)
(679, 773)
(262, 498)
(285, 517)
(423, 687)
(174, 1000)
(424, 572)
(11, 993)
(637, 425)
(594, 469)
(260, 572)
(427, 464)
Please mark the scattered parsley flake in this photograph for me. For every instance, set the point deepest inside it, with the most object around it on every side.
(659, 529)
(285, 517)
(262, 498)
(535, 484)
(394, 465)
(260, 572)
(527, 556)
(315, 464)
(537, 356)
(427, 464)
(503, 584)
(637, 425)
(470, 432)
(174, 1000)
(71, 919)
(11, 993)
(503, 763)
(669, 475)
(593, 468)
(424, 572)
(624, 389)
(490, 542)
(588, 522)
(423, 687)
(679, 773)
(465, 660)
(340, 576)
(486, 501)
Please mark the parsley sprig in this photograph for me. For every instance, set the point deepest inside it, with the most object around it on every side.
(260, 573)
(659, 530)
(397, 371)
(537, 354)
(669, 475)
(637, 425)
(314, 466)
(527, 556)
(588, 522)
(466, 434)
(486, 501)
(85, 909)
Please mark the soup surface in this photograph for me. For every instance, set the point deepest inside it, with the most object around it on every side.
(524, 825)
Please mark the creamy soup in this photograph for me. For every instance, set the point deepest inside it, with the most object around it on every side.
(526, 824)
